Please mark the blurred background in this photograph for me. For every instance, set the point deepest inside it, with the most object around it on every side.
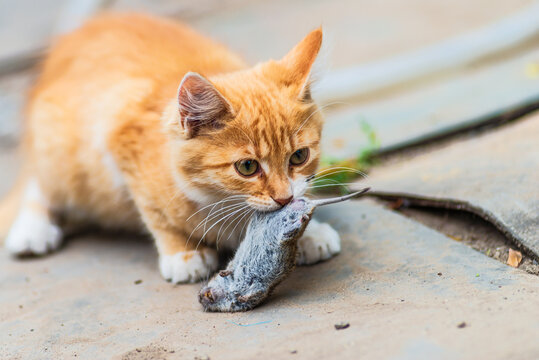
(395, 73)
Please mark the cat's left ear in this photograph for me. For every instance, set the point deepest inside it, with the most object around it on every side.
(299, 62)
(201, 105)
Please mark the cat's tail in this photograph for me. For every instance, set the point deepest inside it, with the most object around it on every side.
(9, 206)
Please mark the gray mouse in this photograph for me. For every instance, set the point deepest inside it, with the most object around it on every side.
(264, 258)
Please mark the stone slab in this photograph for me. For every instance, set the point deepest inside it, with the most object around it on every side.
(512, 33)
(466, 99)
(403, 288)
(495, 175)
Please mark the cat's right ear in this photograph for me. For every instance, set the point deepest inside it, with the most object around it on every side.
(298, 63)
(201, 106)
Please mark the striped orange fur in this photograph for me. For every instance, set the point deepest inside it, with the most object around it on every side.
(116, 141)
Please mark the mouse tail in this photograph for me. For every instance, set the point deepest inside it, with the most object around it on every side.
(321, 202)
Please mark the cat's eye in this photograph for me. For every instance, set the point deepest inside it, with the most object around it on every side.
(299, 157)
(247, 167)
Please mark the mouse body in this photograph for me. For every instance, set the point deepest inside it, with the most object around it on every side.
(264, 258)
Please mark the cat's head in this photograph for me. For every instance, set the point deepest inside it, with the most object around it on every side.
(253, 133)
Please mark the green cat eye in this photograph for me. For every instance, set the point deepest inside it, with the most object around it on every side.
(299, 157)
(247, 167)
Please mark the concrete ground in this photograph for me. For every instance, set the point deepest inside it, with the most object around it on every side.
(406, 291)
(401, 289)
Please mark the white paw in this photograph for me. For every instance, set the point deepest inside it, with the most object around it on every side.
(33, 233)
(189, 266)
(319, 242)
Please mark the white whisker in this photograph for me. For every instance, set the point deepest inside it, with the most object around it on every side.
(227, 223)
(217, 222)
(234, 220)
(345, 185)
(337, 172)
(219, 212)
(343, 168)
(227, 199)
(246, 223)
(204, 221)
(222, 209)
(239, 222)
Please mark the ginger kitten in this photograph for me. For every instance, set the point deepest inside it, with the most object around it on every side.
(140, 123)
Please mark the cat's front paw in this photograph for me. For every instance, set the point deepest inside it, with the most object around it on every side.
(188, 266)
(33, 233)
(319, 242)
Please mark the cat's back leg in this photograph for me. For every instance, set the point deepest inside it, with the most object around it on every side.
(34, 231)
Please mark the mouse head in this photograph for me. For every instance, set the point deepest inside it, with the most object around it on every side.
(290, 221)
(285, 223)
(295, 218)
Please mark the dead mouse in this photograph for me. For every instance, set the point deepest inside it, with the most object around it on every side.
(264, 258)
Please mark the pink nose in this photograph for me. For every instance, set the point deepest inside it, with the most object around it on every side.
(283, 202)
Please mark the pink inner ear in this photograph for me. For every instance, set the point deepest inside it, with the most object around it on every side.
(200, 104)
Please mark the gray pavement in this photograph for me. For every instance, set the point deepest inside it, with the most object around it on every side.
(407, 292)
(493, 175)
(464, 99)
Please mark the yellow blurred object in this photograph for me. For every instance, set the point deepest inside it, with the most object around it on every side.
(456, 238)
(338, 143)
(532, 70)
(514, 259)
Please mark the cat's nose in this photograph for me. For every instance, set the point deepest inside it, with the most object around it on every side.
(283, 202)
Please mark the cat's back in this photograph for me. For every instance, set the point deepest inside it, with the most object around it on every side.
(116, 72)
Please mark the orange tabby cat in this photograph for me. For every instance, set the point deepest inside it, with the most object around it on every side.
(141, 123)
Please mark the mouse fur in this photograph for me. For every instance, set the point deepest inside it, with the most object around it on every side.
(264, 258)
